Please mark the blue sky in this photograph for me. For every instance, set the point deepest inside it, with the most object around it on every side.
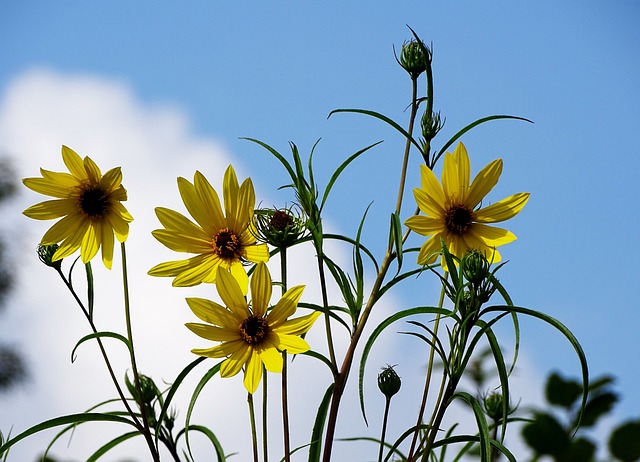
(275, 71)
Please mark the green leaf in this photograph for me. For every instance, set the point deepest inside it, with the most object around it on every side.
(385, 119)
(194, 397)
(210, 435)
(546, 436)
(624, 442)
(395, 238)
(65, 420)
(90, 292)
(580, 450)
(464, 130)
(110, 445)
(481, 422)
(339, 170)
(96, 335)
(568, 335)
(561, 392)
(315, 448)
(377, 331)
(598, 406)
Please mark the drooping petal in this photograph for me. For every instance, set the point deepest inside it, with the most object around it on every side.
(106, 242)
(253, 372)
(72, 241)
(503, 210)
(238, 358)
(428, 250)
(271, 358)
(260, 289)
(90, 243)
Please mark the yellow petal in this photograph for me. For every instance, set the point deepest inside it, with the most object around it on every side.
(73, 241)
(245, 205)
(253, 372)
(112, 179)
(49, 210)
(210, 200)
(428, 250)
(286, 306)
(291, 343)
(483, 183)
(90, 243)
(230, 292)
(213, 313)
(215, 333)
(65, 227)
(425, 226)
(503, 210)
(174, 221)
(240, 275)
(456, 173)
(222, 350)
(431, 186)
(61, 190)
(297, 326)
(238, 358)
(260, 289)
(107, 244)
(230, 193)
(257, 253)
(492, 236)
(271, 358)
(179, 242)
(93, 171)
(201, 269)
(196, 208)
(74, 163)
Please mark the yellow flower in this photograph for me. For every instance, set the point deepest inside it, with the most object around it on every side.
(452, 212)
(220, 239)
(252, 336)
(89, 204)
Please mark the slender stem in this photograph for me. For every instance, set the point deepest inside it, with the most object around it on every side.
(325, 304)
(285, 393)
(134, 366)
(427, 383)
(265, 438)
(252, 419)
(384, 426)
(102, 350)
(407, 148)
(340, 379)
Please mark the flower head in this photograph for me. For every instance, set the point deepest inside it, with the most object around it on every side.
(220, 239)
(250, 336)
(89, 205)
(452, 214)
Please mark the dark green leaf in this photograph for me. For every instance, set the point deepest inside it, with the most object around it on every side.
(315, 448)
(598, 406)
(624, 442)
(546, 436)
(561, 392)
(115, 335)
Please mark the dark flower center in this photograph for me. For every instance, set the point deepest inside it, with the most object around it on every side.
(94, 202)
(458, 219)
(280, 220)
(254, 329)
(226, 245)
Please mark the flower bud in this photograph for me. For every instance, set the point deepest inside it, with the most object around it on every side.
(389, 382)
(45, 254)
(431, 124)
(413, 58)
(279, 227)
(475, 267)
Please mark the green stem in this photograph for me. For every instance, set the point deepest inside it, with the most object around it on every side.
(265, 437)
(384, 426)
(285, 394)
(102, 349)
(340, 379)
(252, 419)
(407, 148)
(427, 383)
(136, 375)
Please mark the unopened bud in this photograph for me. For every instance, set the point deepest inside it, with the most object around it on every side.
(45, 254)
(413, 58)
(389, 382)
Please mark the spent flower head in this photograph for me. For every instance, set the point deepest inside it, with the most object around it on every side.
(452, 212)
(88, 204)
(220, 239)
(251, 336)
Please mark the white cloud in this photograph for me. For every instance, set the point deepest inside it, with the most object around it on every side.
(40, 111)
